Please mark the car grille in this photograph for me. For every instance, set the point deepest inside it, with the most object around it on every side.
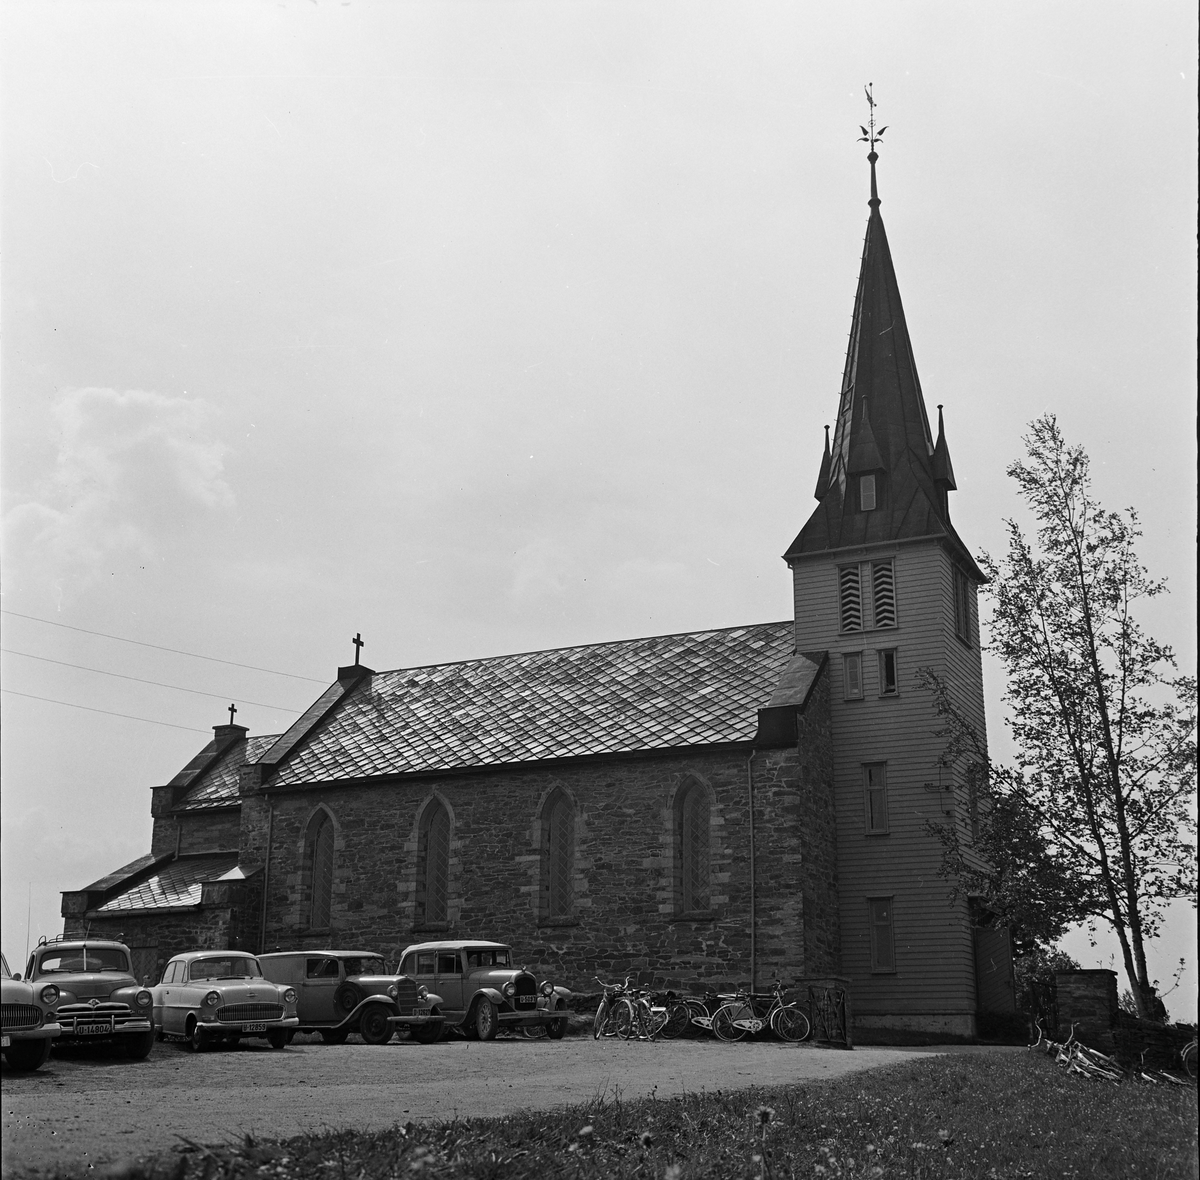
(232, 1013)
(20, 1016)
(525, 995)
(406, 993)
(119, 1014)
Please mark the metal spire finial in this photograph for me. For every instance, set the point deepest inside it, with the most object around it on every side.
(871, 137)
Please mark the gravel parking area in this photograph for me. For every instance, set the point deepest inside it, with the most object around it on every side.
(83, 1109)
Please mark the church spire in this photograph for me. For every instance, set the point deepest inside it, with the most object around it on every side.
(882, 453)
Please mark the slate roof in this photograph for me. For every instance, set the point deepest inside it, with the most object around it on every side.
(692, 689)
(176, 884)
(219, 783)
(881, 424)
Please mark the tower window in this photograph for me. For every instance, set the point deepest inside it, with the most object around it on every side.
(850, 596)
(866, 492)
(875, 798)
(558, 846)
(852, 673)
(319, 855)
(433, 873)
(883, 580)
(887, 673)
(962, 606)
(883, 948)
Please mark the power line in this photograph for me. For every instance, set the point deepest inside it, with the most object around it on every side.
(159, 647)
(12, 692)
(138, 680)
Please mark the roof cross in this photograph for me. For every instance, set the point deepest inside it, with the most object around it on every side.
(358, 646)
(232, 710)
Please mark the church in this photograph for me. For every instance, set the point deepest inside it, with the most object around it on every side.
(710, 809)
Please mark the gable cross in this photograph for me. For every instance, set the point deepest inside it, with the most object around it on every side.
(358, 646)
(232, 710)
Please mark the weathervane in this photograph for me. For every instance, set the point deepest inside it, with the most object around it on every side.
(869, 135)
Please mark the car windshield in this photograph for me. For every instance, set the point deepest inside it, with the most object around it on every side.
(225, 967)
(488, 956)
(4, 963)
(68, 960)
(365, 967)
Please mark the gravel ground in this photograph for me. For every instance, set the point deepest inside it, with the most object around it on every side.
(84, 1109)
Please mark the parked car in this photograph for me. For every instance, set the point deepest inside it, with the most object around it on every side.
(482, 990)
(28, 1021)
(210, 996)
(99, 1000)
(341, 992)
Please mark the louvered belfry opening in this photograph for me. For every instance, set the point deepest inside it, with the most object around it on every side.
(320, 859)
(693, 824)
(559, 855)
(850, 595)
(434, 875)
(883, 577)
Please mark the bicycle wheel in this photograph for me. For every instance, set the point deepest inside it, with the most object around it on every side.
(723, 1021)
(789, 1023)
(624, 1020)
(699, 1021)
(601, 1019)
(678, 1021)
(654, 1020)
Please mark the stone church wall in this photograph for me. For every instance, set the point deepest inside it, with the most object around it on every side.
(625, 863)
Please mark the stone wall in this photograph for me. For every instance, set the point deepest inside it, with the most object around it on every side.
(625, 915)
(1087, 1000)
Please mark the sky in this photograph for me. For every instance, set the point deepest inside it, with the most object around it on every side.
(489, 327)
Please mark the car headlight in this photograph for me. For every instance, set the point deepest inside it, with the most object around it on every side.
(392, 990)
(422, 992)
(49, 994)
(289, 996)
(143, 999)
(510, 988)
(212, 999)
(547, 989)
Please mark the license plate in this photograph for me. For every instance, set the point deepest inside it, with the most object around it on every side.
(254, 1028)
(527, 1001)
(93, 1028)
(5, 1042)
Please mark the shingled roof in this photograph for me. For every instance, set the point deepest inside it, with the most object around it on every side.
(665, 692)
(881, 426)
(218, 784)
(176, 884)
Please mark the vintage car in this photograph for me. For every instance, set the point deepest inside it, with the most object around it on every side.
(98, 997)
(209, 996)
(483, 990)
(341, 992)
(29, 1023)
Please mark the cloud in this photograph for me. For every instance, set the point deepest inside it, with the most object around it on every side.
(136, 471)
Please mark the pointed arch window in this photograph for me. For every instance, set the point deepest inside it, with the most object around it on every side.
(692, 815)
(558, 857)
(433, 865)
(318, 856)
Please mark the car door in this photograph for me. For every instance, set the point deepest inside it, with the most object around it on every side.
(422, 966)
(322, 974)
(170, 1015)
(448, 980)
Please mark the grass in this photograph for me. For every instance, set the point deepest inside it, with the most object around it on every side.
(987, 1116)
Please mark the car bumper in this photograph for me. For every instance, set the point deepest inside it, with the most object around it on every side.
(415, 1021)
(47, 1032)
(90, 1033)
(240, 1027)
(538, 1015)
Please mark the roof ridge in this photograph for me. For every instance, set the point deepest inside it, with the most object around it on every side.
(537, 651)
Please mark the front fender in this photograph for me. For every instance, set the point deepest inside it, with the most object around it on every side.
(493, 994)
(563, 993)
(386, 1001)
(431, 999)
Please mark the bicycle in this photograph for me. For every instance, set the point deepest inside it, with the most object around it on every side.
(684, 1015)
(742, 1016)
(615, 1014)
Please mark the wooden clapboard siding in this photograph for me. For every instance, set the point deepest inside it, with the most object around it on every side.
(933, 945)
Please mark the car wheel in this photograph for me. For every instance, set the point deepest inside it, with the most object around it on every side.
(427, 1034)
(27, 1056)
(347, 998)
(277, 1038)
(334, 1036)
(486, 1020)
(137, 1047)
(557, 1029)
(373, 1025)
(198, 1040)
